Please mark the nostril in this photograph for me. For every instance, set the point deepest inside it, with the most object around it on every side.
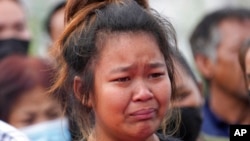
(143, 95)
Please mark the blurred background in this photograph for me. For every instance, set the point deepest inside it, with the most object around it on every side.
(184, 15)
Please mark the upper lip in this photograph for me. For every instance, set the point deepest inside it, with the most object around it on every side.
(143, 111)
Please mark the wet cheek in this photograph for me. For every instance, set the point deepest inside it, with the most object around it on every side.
(164, 95)
(113, 101)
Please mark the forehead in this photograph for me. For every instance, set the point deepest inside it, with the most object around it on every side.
(105, 36)
(58, 16)
(10, 9)
(108, 39)
(234, 31)
(128, 46)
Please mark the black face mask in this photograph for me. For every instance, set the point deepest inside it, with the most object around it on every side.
(13, 46)
(190, 125)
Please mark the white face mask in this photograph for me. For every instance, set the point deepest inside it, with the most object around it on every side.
(54, 130)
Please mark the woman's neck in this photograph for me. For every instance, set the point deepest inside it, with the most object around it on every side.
(101, 137)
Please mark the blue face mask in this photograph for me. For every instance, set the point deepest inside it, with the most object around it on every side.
(55, 130)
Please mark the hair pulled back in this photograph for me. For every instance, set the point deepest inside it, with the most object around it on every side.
(88, 24)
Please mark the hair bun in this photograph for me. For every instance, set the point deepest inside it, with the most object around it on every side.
(74, 6)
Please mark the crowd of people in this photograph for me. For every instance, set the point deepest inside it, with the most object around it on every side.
(114, 72)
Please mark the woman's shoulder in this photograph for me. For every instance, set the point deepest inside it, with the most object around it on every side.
(167, 138)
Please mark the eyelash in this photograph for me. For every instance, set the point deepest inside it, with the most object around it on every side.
(126, 79)
(122, 79)
(156, 75)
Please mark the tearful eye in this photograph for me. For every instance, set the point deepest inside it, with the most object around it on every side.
(123, 79)
(156, 75)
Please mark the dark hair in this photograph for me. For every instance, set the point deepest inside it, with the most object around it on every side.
(89, 23)
(204, 39)
(19, 74)
(55, 9)
(17, 1)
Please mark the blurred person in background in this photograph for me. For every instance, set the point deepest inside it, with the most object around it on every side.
(24, 102)
(215, 45)
(10, 133)
(54, 23)
(14, 33)
(244, 57)
(190, 100)
(188, 87)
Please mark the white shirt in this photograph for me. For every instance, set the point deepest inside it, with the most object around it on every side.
(9, 133)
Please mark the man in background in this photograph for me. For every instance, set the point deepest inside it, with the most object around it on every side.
(215, 45)
(14, 33)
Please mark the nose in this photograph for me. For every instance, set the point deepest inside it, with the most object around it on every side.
(142, 92)
(8, 33)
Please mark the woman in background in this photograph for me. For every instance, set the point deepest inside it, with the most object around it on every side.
(23, 100)
(189, 100)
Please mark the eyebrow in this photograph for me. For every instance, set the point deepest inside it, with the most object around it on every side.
(129, 67)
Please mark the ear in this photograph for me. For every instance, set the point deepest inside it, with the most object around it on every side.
(78, 91)
(204, 65)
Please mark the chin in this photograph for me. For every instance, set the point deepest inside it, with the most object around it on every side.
(145, 131)
(142, 136)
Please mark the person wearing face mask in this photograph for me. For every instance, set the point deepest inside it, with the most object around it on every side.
(14, 33)
(24, 102)
(10, 133)
(189, 100)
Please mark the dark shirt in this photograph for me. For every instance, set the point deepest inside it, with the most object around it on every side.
(213, 125)
(163, 138)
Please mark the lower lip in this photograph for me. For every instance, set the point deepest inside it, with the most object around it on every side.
(145, 116)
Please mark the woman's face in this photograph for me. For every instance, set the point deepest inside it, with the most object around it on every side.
(132, 88)
(34, 106)
(187, 91)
